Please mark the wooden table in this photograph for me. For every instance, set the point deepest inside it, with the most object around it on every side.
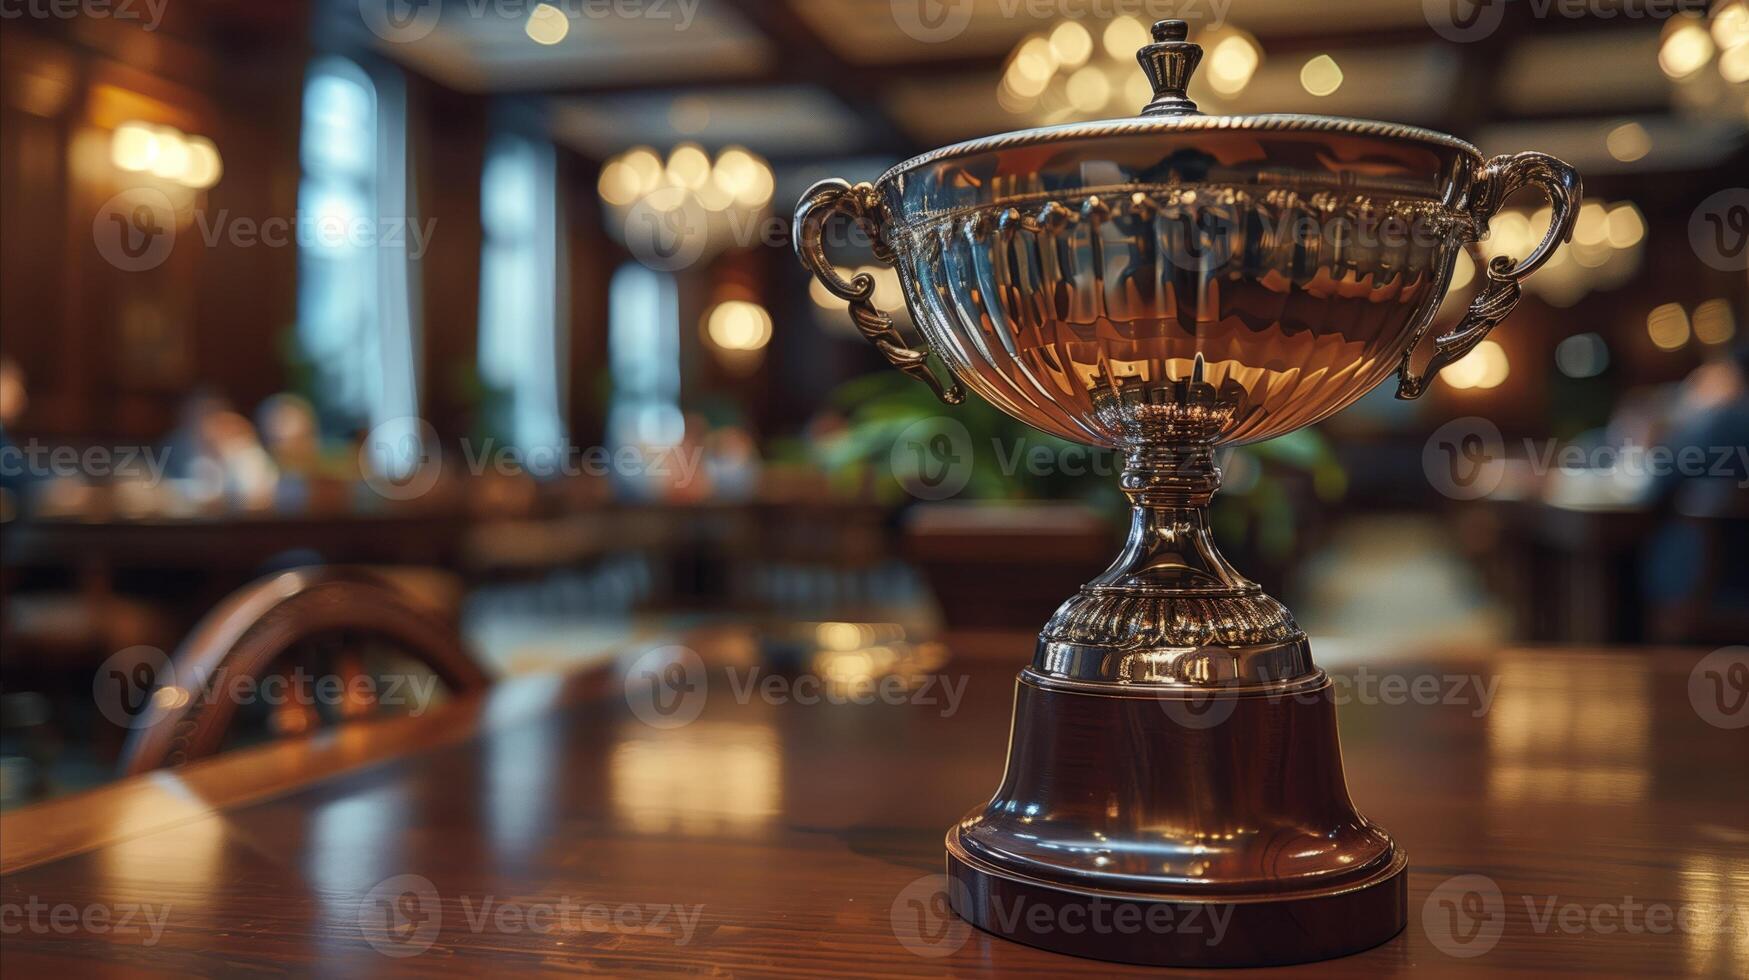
(546, 826)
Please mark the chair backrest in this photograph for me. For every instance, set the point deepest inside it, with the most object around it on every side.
(249, 635)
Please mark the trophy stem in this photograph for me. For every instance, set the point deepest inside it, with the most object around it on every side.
(1171, 609)
(1170, 545)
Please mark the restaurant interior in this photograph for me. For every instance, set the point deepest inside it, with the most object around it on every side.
(443, 363)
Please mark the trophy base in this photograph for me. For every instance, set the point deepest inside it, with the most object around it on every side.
(1168, 827)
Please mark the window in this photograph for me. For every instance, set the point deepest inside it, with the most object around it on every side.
(523, 351)
(644, 352)
(356, 322)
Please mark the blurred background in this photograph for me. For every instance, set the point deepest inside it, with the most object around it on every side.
(496, 301)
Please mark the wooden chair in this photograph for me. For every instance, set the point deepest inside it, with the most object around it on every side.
(341, 617)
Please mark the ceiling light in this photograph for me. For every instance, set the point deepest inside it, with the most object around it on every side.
(1713, 322)
(1667, 325)
(1734, 64)
(133, 146)
(1321, 76)
(204, 165)
(688, 166)
(1232, 63)
(1486, 366)
(172, 159)
(1088, 89)
(1626, 226)
(1125, 36)
(1686, 49)
(1071, 44)
(737, 324)
(547, 24)
(1628, 142)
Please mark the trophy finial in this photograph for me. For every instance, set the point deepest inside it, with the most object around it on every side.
(1171, 30)
(1169, 62)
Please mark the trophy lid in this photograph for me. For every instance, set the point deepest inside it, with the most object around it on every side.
(1169, 62)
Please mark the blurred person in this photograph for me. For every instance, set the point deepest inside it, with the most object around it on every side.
(1707, 418)
(13, 401)
(217, 457)
(290, 433)
(292, 438)
(1691, 569)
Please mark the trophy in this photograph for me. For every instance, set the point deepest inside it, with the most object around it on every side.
(1166, 285)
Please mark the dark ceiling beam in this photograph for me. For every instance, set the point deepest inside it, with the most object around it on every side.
(781, 72)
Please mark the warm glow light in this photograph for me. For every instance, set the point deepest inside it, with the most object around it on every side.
(547, 24)
(1463, 269)
(1088, 89)
(1686, 49)
(1713, 322)
(204, 166)
(1667, 325)
(1731, 26)
(688, 166)
(1124, 37)
(1021, 83)
(1593, 224)
(1508, 234)
(1035, 59)
(1628, 142)
(822, 296)
(1734, 64)
(737, 324)
(1232, 63)
(1137, 90)
(1484, 367)
(619, 184)
(736, 170)
(1071, 44)
(1321, 76)
(888, 294)
(645, 165)
(1626, 226)
(172, 159)
(133, 147)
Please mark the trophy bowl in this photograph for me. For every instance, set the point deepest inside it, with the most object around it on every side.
(1165, 285)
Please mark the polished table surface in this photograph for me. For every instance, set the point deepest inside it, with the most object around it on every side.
(1565, 811)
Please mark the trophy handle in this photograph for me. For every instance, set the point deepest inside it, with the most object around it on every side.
(1500, 177)
(833, 197)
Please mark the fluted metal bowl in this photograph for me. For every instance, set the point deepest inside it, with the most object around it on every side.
(1269, 268)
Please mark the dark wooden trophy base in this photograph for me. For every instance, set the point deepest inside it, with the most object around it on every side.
(1174, 828)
